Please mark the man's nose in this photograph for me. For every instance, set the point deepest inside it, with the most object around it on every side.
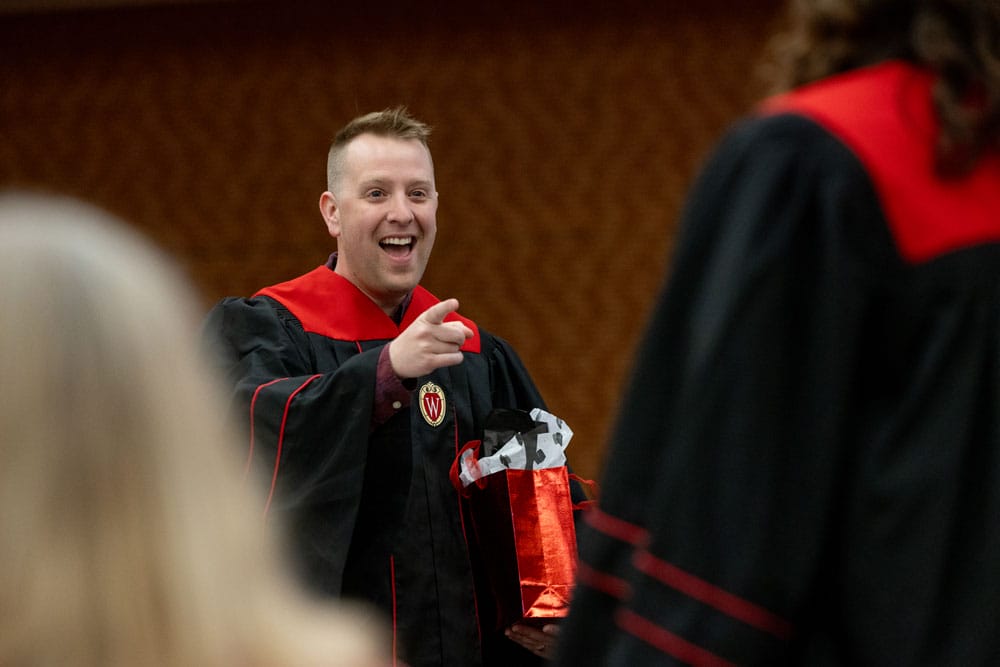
(400, 209)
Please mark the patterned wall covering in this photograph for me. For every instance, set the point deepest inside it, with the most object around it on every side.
(566, 135)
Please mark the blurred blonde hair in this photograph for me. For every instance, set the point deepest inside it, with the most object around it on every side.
(126, 532)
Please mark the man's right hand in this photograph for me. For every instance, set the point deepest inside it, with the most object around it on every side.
(429, 343)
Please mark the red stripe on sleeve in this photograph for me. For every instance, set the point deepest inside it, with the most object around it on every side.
(617, 528)
(253, 403)
(699, 589)
(281, 439)
(667, 642)
(616, 587)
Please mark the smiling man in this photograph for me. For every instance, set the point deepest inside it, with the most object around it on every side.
(381, 207)
(359, 385)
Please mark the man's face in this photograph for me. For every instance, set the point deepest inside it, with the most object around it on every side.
(383, 215)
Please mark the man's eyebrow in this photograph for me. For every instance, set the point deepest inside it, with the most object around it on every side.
(382, 181)
(388, 182)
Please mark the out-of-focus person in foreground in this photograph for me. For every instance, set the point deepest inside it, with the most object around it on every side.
(127, 534)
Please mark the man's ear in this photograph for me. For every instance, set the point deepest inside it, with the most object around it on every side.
(330, 211)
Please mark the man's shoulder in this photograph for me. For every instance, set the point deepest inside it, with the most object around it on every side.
(327, 304)
(497, 347)
(241, 315)
(317, 279)
(259, 301)
(269, 300)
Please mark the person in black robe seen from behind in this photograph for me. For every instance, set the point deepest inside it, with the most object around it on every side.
(360, 386)
(806, 467)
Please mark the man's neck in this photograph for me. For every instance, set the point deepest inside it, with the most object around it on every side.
(395, 312)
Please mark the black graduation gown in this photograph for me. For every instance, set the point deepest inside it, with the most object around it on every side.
(372, 514)
(806, 466)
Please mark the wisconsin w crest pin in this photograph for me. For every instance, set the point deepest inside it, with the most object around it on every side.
(432, 403)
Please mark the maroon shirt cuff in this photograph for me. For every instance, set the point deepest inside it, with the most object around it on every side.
(391, 395)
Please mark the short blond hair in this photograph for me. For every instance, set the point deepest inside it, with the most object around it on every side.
(395, 122)
(126, 531)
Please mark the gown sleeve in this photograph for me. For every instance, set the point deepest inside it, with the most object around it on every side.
(511, 384)
(307, 431)
(719, 485)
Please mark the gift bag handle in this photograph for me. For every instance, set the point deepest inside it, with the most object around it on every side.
(594, 491)
(474, 445)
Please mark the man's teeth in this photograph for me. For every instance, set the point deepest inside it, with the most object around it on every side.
(396, 241)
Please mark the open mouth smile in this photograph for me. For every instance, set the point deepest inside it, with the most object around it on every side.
(397, 246)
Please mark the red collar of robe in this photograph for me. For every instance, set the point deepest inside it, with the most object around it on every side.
(328, 304)
(884, 115)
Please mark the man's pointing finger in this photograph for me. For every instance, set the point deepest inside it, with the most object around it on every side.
(436, 313)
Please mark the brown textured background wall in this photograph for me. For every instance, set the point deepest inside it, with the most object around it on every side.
(566, 135)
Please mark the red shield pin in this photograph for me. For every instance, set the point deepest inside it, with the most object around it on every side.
(432, 403)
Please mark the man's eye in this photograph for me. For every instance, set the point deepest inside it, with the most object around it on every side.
(376, 194)
(418, 194)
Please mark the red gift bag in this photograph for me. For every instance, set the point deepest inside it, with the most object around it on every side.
(524, 531)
